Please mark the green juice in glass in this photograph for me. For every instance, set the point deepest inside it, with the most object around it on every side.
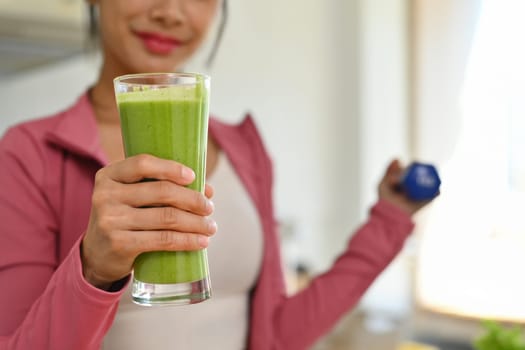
(171, 123)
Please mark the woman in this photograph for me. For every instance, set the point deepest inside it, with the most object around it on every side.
(73, 218)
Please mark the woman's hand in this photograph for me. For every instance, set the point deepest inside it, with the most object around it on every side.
(390, 191)
(129, 217)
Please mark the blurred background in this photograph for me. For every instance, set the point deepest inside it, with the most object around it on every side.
(338, 88)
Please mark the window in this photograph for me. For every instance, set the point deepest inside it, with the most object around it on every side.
(472, 251)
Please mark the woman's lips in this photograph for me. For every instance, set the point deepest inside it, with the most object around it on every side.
(158, 44)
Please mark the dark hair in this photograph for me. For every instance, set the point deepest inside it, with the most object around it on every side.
(220, 32)
(93, 22)
(93, 30)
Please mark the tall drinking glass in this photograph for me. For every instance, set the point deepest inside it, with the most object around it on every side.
(166, 115)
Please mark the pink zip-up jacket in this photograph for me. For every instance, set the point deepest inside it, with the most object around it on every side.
(47, 169)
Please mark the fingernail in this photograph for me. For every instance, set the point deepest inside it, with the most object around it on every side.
(203, 241)
(212, 225)
(210, 206)
(187, 173)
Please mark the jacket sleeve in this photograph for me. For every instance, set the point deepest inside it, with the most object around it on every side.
(44, 303)
(301, 319)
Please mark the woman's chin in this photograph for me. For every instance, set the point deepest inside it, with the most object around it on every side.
(157, 69)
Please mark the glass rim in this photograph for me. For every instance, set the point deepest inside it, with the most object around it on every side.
(122, 78)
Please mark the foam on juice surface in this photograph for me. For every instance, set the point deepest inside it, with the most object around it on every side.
(170, 93)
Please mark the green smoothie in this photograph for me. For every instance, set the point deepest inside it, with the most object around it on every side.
(170, 123)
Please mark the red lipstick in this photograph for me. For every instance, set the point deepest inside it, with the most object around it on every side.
(158, 44)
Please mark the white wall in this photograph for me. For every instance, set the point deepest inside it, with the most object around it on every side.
(43, 91)
(443, 41)
(384, 115)
(384, 84)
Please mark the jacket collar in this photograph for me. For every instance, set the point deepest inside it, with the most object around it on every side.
(77, 131)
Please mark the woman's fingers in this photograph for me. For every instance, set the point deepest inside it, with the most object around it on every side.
(121, 182)
(164, 240)
(168, 218)
(393, 172)
(208, 191)
(144, 166)
(165, 193)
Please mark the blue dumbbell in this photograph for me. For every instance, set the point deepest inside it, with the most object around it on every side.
(420, 181)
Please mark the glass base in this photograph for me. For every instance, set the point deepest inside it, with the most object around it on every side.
(149, 294)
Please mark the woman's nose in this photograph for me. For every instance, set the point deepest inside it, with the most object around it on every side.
(168, 12)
